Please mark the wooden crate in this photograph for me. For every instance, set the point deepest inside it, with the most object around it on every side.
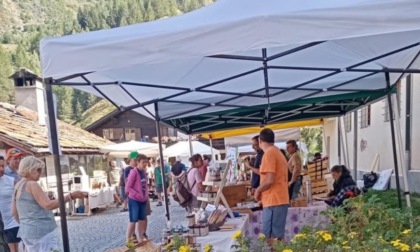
(235, 194)
(319, 188)
(317, 170)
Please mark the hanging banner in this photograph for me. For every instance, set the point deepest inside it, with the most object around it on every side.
(232, 155)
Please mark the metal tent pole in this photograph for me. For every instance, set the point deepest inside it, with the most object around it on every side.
(162, 170)
(211, 149)
(394, 147)
(344, 143)
(401, 146)
(355, 145)
(55, 147)
(339, 140)
(191, 146)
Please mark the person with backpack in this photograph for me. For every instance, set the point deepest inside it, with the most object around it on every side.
(188, 185)
(195, 180)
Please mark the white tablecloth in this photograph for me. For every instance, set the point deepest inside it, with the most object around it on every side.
(222, 240)
(101, 197)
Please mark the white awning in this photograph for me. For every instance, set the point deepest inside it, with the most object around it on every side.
(182, 149)
(238, 54)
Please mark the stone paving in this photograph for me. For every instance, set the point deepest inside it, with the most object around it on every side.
(106, 228)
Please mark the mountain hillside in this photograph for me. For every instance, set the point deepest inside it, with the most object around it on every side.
(24, 22)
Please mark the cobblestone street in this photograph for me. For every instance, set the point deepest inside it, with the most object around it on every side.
(106, 228)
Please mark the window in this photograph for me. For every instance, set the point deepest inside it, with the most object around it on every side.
(113, 134)
(365, 115)
(108, 134)
(130, 134)
(164, 131)
(386, 107)
(347, 122)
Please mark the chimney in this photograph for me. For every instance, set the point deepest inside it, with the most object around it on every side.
(29, 92)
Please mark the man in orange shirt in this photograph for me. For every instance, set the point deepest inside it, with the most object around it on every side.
(273, 191)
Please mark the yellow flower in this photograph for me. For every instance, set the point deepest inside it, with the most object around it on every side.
(208, 248)
(404, 247)
(320, 232)
(352, 235)
(417, 246)
(327, 237)
(261, 237)
(297, 236)
(381, 239)
(169, 246)
(237, 234)
(395, 243)
(344, 243)
(184, 248)
(346, 247)
(287, 250)
(407, 231)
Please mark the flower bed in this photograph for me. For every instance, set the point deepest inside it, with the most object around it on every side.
(368, 226)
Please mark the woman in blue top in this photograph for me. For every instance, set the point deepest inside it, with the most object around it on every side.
(32, 208)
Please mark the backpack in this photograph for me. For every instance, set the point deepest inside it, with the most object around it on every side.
(182, 191)
(369, 180)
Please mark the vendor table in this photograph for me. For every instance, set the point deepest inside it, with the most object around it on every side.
(297, 218)
(222, 240)
(97, 198)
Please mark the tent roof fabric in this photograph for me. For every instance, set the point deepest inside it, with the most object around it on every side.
(183, 149)
(245, 58)
(257, 129)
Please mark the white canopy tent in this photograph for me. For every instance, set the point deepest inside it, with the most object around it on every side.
(123, 149)
(183, 149)
(277, 52)
(281, 136)
(242, 62)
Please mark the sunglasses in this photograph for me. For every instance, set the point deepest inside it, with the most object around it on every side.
(15, 151)
(39, 170)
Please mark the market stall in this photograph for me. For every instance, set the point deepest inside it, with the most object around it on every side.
(100, 194)
(242, 63)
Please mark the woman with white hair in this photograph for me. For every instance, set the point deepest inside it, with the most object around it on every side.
(32, 208)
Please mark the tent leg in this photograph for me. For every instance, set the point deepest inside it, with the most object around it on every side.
(211, 149)
(162, 170)
(355, 144)
(394, 147)
(191, 146)
(402, 159)
(54, 141)
(344, 142)
(339, 141)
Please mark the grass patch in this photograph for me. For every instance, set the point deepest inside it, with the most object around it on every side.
(390, 198)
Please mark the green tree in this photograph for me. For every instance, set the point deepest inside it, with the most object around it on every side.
(149, 12)
(312, 136)
(64, 97)
(6, 69)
